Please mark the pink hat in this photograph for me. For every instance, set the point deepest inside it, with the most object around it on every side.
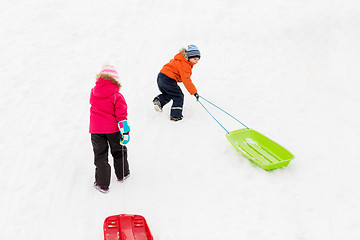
(108, 69)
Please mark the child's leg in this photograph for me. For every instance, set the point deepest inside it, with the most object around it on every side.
(178, 102)
(103, 169)
(119, 153)
(171, 90)
(164, 97)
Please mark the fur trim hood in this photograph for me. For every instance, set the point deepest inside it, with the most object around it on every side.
(105, 87)
(184, 53)
(108, 77)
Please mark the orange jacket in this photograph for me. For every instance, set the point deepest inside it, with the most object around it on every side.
(180, 70)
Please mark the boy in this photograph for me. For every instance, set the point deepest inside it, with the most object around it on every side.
(177, 70)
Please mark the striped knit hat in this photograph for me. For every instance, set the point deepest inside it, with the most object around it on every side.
(108, 69)
(193, 51)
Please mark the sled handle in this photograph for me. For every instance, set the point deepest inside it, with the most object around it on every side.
(222, 111)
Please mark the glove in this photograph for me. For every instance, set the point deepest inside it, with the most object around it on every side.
(197, 96)
(124, 131)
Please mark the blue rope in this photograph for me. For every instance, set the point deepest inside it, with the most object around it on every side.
(221, 110)
(213, 116)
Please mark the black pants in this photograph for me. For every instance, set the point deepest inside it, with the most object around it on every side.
(101, 144)
(170, 90)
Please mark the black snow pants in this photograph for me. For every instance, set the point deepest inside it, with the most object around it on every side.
(170, 90)
(101, 144)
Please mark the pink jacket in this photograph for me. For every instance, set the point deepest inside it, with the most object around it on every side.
(108, 107)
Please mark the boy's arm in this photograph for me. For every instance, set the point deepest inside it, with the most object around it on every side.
(185, 77)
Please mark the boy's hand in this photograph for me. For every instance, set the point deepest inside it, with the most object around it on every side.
(197, 96)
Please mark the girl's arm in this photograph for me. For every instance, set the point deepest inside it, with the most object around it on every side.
(120, 107)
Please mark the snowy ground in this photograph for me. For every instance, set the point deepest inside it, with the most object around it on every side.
(288, 69)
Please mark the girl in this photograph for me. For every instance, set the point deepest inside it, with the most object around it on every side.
(108, 126)
(177, 70)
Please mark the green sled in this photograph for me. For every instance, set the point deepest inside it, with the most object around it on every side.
(261, 150)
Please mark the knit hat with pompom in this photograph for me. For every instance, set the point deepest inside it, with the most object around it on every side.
(108, 69)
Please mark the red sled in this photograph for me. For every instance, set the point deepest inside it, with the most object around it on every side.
(126, 227)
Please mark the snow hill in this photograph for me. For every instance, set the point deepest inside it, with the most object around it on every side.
(288, 69)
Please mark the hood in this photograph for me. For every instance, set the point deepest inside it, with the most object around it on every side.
(104, 88)
(182, 56)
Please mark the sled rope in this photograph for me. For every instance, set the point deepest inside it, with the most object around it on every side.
(222, 111)
(123, 172)
(213, 117)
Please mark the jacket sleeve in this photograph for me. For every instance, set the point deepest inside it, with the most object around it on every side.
(185, 74)
(120, 107)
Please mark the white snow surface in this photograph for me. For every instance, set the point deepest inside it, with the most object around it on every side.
(288, 69)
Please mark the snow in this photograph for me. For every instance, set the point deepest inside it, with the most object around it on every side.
(288, 69)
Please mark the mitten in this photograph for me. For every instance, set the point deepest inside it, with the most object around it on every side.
(125, 138)
(125, 131)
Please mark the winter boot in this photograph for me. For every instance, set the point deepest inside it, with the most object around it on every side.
(175, 119)
(157, 105)
(124, 178)
(103, 189)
